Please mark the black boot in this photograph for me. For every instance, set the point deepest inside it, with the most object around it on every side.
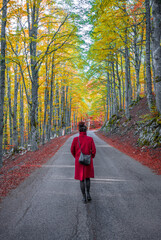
(84, 198)
(89, 196)
(88, 189)
(82, 186)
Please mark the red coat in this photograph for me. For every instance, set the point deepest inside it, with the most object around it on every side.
(87, 147)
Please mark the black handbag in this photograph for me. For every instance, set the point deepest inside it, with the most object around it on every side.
(84, 159)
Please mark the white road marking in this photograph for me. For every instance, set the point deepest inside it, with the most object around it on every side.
(103, 146)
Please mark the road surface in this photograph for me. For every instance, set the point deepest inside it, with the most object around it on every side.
(126, 201)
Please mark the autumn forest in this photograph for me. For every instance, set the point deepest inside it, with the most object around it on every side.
(66, 61)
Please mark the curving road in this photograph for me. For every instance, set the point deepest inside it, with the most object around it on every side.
(126, 202)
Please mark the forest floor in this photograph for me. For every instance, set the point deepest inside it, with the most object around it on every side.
(125, 139)
(18, 167)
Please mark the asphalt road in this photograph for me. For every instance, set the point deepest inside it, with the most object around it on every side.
(126, 201)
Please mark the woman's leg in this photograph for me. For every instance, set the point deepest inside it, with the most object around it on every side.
(88, 183)
(82, 187)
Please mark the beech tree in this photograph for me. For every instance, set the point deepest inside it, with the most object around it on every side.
(2, 70)
(148, 63)
(156, 11)
(33, 9)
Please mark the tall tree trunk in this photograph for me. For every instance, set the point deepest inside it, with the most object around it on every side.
(76, 120)
(70, 114)
(63, 107)
(67, 122)
(111, 98)
(114, 90)
(5, 135)
(119, 84)
(40, 118)
(144, 73)
(148, 65)
(34, 107)
(57, 108)
(15, 133)
(156, 11)
(152, 51)
(2, 72)
(74, 124)
(127, 112)
(51, 96)
(9, 105)
(46, 101)
(33, 13)
(129, 79)
(21, 116)
(137, 69)
(153, 68)
(123, 87)
(29, 126)
(107, 96)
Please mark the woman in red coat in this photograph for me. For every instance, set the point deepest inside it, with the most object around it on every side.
(82, 172)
